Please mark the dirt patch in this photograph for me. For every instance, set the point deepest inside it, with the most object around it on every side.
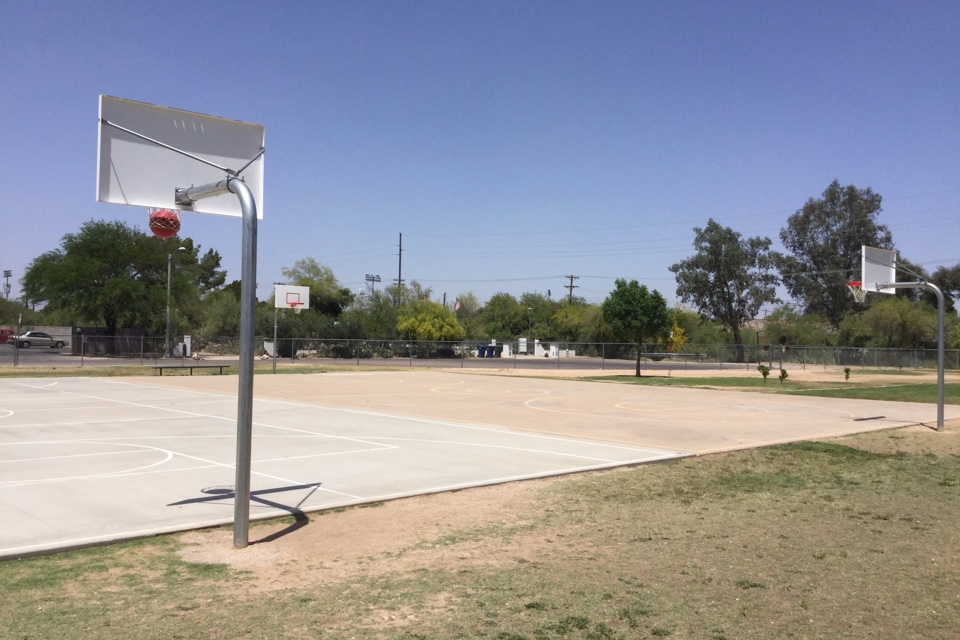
(400, 535)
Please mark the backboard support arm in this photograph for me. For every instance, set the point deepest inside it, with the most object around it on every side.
(940, 335)
(248, 304)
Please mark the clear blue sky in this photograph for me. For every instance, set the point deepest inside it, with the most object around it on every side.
(511, 143)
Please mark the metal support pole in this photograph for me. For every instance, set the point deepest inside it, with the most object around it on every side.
(940, 336)
(275, 339)
(166, 340)
(248, 305)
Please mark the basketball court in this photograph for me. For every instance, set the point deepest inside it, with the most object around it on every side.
(87, 460)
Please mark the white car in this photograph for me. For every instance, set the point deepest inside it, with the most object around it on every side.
(39, 339)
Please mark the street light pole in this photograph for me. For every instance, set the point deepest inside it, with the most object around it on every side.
(166, 349)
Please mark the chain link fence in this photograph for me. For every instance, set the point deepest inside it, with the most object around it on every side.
(133, 349)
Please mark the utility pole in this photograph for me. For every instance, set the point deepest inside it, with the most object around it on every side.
(399, 279)
(7, 273)
(373, 280)
(572, 286)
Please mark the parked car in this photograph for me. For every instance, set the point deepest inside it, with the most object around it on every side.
(38, 339)
(7, 334)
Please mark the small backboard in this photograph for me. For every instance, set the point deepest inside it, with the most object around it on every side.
(878, 267)
(135, 171)
(288, 296)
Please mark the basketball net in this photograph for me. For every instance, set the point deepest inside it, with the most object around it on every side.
(856, 288)
(297, 307)
(170, 222)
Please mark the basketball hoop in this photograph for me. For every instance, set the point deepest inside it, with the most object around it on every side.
(856, 288)
(297, 307)
(164, 223)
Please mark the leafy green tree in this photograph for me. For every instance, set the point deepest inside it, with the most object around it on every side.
(428, 320)
(540, 310)
(948, 279)
(891, 322)
(378, 315)
(824, 239)
(114, 275)
(503, 318)
(468, 314)
(578, 322)
(636, 314)
(327, 297)
(786, 326)
(729, 278)
(220, 316)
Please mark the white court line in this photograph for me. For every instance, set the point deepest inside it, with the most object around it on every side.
(68, 456)
(106, 474)
(422, 420)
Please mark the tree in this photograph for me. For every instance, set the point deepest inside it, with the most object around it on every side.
(327, 297)
(786, 326)
(891, 322)
(539, 310)
(636, 314)
(468, 313)
(948, 279)
(425, 319)
(379, 316)
(578, 322)
(503, 318)
(114, 275)
(825, 238)
(729, 278)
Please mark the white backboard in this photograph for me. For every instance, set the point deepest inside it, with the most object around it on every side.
(286, 296)
(878, 266)
(134, 171)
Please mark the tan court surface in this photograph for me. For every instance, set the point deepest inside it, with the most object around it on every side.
(84, 460)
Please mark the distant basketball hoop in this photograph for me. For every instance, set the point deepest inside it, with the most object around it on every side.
(164, 223)
(856, 288)
(296, 306)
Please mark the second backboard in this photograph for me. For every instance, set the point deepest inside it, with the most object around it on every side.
(288, 296)
(878, 267)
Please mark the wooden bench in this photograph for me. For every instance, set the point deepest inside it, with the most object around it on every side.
(191, 366)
